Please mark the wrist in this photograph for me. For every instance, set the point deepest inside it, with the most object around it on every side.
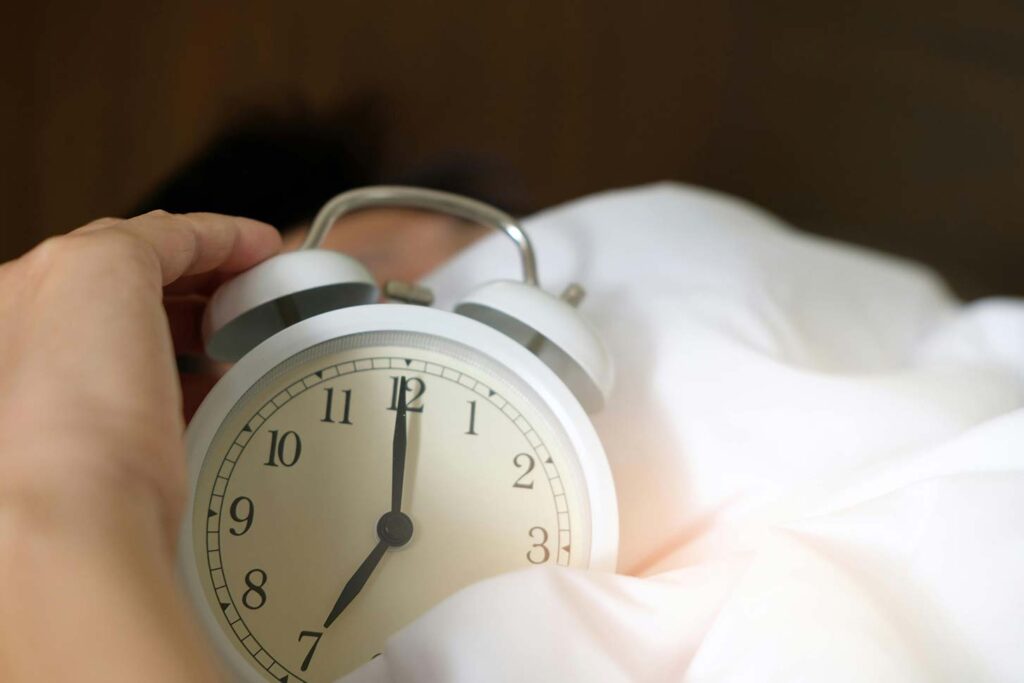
(95, 586)
(110, 495)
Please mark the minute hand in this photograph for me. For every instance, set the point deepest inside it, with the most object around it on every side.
(398, 451)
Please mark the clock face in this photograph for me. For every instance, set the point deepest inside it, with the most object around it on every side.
(310, 557)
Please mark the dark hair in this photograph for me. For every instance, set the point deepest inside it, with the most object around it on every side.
(281, 168)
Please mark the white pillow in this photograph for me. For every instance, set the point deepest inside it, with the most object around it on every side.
(818, 454)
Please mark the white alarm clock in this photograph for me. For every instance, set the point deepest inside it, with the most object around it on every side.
(362, 461)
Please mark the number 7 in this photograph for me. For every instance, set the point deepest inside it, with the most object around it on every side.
(310, 634)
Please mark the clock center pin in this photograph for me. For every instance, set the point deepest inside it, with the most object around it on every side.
(395, 528)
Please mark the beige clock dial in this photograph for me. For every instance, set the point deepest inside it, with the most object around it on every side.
(295, 498)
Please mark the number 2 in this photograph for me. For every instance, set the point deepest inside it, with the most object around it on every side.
(530, 464)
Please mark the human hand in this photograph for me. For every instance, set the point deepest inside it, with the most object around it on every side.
(91, 455)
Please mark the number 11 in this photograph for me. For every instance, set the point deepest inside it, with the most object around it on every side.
(329, 408)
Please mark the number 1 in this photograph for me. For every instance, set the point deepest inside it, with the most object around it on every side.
(472, 418)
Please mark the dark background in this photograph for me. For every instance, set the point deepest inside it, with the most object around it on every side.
(898, 125)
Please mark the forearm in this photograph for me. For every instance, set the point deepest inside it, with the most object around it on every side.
(92, 596)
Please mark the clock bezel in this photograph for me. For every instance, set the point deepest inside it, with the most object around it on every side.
(599, 488)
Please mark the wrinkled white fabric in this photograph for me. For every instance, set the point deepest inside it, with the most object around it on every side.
(818, 454)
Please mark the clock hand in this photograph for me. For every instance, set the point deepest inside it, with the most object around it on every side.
(356, 583)
(394, 529)
(398, 449)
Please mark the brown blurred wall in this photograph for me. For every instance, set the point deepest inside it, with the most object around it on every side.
(897, 125)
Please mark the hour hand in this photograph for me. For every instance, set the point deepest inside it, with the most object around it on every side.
(356, 583)
(394, 529)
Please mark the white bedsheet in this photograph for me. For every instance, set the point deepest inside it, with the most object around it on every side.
(819, 458)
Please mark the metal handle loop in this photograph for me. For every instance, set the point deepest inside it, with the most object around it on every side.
(431, 200)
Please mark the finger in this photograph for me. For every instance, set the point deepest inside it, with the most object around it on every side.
(98, 224)
(203, 284)
(195, 243)
(207, 283)
(185, 316)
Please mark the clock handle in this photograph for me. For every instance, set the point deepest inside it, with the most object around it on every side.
(430, 200)
(548, 326)
(296, 285)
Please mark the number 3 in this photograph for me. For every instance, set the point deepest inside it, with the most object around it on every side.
(544, 553)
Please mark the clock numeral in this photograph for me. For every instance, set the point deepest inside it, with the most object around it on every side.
(329, 408)
(315, 635)
(539, 553)
(414, 390)
(530, 463)
(242, 517)
(472, 418)
(255, 587)
(281, 452)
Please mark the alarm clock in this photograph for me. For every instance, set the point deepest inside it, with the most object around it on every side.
(362, 461)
